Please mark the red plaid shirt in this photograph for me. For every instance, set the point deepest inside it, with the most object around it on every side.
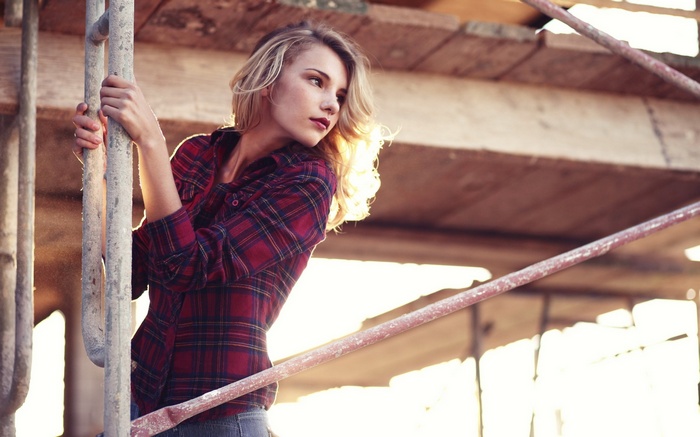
(219, 269)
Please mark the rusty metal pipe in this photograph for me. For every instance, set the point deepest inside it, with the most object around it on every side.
(621, 48)
(168, 417)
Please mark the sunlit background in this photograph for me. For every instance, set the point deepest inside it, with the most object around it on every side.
(630, 374)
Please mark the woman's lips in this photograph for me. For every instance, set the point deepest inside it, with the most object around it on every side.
(322, 122)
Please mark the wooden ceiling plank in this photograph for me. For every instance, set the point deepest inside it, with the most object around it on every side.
(206, 24)
(563, 60)
(343, 17)
(521, 202)
(584, 204)
(395, 38)
(502, 11)
(643, 201)
(481, 50)
(431, 110)
(68, 16)
(625, 77)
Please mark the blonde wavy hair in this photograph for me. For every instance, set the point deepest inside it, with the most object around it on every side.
(351, 148)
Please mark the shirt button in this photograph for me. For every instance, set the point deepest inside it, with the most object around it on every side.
(235, 202)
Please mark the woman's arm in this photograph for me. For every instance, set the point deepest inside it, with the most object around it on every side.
(286, 219)
(124, 102)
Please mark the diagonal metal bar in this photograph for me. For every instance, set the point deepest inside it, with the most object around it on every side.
(621, 48)
(169, 417)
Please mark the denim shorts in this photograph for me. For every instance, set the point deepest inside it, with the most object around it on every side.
(252, 423)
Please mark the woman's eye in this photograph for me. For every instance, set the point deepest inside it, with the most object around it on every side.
(341, 99)
(316, 81)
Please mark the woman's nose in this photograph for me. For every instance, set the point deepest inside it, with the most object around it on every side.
(331, 105)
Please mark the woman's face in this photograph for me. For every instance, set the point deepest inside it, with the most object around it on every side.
(305, 100)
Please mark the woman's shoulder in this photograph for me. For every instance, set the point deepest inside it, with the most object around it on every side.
(196, 145)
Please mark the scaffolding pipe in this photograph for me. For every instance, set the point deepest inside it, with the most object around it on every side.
(9, 173)
(24, 294)
(118, 238)
(170, 416)
(621, 48)
(17, 170)
(93, 190)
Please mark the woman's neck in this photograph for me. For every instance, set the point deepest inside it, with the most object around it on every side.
(250, 148)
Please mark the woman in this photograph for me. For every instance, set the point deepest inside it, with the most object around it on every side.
(233, 217)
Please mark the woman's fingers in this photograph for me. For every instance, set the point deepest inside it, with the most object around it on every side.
(87, 134)
(124, 102)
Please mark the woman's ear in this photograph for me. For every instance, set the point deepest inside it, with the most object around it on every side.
(265, 92)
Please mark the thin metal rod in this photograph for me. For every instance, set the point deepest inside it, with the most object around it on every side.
(93, 179)
(24, 293)
(119, 224)
(621, 48)
(169, 417)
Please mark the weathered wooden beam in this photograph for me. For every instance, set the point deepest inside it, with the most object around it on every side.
(188, 88)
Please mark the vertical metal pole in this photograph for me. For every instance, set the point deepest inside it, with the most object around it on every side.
(17, 170)
(24, 296)
(119, 216)
(9, 168)
(93, 174)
